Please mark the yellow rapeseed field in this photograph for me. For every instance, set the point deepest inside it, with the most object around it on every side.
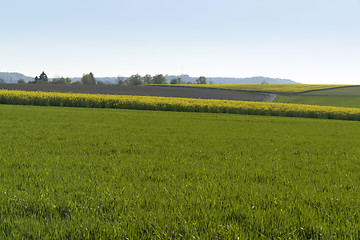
(175, 104)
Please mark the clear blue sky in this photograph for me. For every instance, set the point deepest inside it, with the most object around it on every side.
(308, 41)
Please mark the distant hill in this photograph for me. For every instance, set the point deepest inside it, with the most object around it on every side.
(216, 80)
(13, 77)
(222, 80)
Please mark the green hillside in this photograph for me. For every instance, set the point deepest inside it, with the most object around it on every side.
(76, 173)
(13, 77)
(339, 97)
(268, 88)
(312, 94)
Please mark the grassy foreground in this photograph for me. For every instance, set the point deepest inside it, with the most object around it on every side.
(77, 173)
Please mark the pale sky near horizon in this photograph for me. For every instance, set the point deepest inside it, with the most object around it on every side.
(308, 41)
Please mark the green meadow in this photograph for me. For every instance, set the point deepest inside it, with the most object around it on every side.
(339, 97)
(77, 173)
(311, 94)
(267, 88)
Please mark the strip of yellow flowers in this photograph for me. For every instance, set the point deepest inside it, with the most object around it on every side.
(176, 104)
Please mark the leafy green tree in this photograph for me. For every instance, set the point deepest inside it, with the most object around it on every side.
(61, 80)
(159, 79)
(177, 81)
(201, 80)
(134, 80)
(88, 79)
(147, 79)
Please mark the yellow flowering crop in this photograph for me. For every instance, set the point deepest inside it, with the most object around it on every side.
(175, 104)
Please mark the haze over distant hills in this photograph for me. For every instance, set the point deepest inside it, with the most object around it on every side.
(215, 80)
(13, 77)
(228, 80)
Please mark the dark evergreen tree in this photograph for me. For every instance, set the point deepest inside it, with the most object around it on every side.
(43, 77)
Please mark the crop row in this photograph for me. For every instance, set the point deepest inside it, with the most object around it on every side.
(175, 104)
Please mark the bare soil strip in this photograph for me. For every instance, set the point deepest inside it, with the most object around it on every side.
(183, 92)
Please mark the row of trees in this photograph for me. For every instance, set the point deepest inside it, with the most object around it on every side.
(135, 80)
(157, 79)
(43, 79)
(138, 80)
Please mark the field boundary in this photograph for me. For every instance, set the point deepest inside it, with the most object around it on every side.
(315, 90)
(176, 104)
(142, 90)
(253, 91)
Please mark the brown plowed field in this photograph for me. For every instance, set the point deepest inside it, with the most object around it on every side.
(184, 92)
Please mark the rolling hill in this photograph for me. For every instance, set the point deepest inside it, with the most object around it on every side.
(13, 77)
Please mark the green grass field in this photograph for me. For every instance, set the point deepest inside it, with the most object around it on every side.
(344, 91)
(312, 94)
(267, 88)
(340, 97)
(76, 173)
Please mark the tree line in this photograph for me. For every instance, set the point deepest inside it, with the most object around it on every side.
(133, 80)
(157, 79)
(43, 79)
